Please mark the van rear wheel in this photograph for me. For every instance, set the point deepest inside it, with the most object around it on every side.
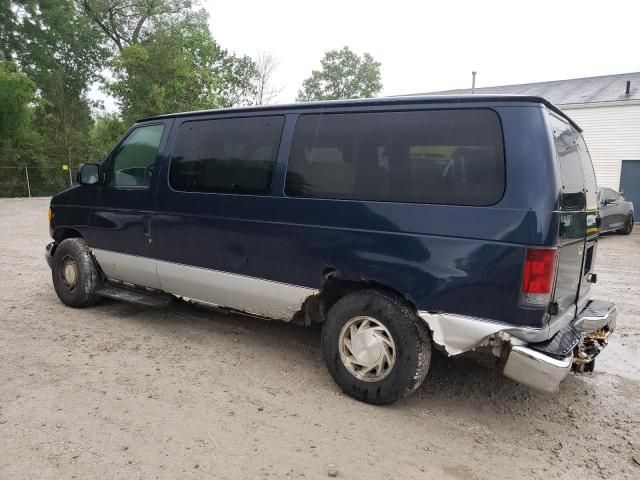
(375, 346)
(75, 274)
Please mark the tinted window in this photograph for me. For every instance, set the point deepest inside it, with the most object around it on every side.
(233, 155)
(588, 173)
(610, 195)
(132, 164)
(573, 197)
(438, 156)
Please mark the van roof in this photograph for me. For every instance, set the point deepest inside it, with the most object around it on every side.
(381, 101)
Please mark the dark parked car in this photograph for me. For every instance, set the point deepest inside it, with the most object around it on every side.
(616, 213)
(401, 224)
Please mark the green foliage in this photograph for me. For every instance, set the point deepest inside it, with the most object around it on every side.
(234, 85)
(180, 67)
(17, 97)
(344, 74)
(127, 22)
(20, 144)
(104, 134)
(8, 42)
(61, 53)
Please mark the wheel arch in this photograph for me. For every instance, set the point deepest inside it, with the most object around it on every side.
(315, 307)
(62, 233)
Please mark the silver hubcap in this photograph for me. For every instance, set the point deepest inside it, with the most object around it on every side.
(367, 349)
(70, 273)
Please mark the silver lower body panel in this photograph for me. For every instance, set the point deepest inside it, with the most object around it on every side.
(257, 296)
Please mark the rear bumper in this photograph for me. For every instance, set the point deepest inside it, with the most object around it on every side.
(543, 366)
(48, 253)
(535, 369)
(596, 316)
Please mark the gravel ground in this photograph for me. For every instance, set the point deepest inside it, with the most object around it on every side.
(119, 391)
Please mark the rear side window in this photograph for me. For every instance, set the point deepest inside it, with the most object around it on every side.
(437, 156)
(590, 184)
(232, 155)
(573, 197)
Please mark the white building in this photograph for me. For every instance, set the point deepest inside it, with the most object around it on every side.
(607, 108)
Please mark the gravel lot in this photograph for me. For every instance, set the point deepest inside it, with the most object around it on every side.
(119, 391)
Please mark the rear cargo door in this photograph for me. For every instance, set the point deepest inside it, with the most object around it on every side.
(591, 197)
(573, 216)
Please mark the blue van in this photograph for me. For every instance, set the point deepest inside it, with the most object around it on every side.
(404, 225)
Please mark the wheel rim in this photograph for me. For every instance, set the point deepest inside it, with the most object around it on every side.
(367, 349)
(630, 223)
(69, 273)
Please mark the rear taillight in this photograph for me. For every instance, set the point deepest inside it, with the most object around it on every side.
(539, 275)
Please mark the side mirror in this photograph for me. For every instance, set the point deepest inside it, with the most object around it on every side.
(88, 174)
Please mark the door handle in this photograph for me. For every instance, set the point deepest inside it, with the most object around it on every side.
(147, 228)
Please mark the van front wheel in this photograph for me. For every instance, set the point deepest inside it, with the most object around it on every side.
(376, 348)
(75, 274)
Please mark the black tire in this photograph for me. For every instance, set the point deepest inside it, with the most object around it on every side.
(628, 226)
(408, 332)
(80, 291)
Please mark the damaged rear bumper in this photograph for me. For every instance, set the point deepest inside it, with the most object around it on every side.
(530, 357)
(543, 366)
(536, 369)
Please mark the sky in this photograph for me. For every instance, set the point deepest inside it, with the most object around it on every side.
(428, 45)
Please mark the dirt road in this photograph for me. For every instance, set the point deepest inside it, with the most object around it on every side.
(118, 391)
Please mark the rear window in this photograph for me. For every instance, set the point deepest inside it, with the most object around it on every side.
(437, 156)
(608, 194)
(589, 174)
(573, 197)
(232, 155)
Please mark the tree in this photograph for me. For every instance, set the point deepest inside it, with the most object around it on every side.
(8, 23)
(344, 74)
(105, 133)
(179, 67)
(127, 22)
(265, 90)
(17, 97)
(232, 81)
(20, 145)
(166, 59)
(61, 52)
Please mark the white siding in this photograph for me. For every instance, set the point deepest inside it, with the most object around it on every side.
(612, 134)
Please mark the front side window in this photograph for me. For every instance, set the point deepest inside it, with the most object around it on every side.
(437, 156)
(232, 155)
(132, 163)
